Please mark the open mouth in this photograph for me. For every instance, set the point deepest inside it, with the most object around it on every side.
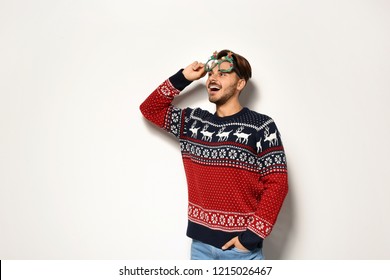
(214, 88)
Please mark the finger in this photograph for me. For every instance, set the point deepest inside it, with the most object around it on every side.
(201, 69)
(201, 65)
(238, 245)
(195, 65)
(198, 66)
(228, 244)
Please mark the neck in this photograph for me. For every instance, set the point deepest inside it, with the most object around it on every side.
(228, 109)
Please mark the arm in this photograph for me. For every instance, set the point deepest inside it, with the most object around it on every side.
(158, 107)
(273, 187)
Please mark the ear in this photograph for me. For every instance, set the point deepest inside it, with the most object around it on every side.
(241, 84)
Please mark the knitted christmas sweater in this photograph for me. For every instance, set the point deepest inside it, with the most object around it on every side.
(235, 167)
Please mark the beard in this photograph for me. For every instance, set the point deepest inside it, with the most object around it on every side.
(220, 99)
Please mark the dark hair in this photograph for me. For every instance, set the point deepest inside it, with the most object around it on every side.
(241, 65)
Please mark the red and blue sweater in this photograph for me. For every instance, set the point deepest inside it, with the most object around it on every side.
(235, 167)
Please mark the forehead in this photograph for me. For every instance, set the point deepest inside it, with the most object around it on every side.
(228, 75)
(224, 64)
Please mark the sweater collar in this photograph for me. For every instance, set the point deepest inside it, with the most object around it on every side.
(243, 111)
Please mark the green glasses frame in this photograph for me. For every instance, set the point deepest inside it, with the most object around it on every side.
(228, 58)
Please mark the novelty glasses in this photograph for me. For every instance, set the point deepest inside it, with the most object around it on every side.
(225, 64)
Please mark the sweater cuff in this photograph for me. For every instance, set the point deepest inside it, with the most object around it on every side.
(250, 240)
(179, 81)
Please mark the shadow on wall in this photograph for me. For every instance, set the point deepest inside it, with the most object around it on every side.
(250, 95)
(275, 245)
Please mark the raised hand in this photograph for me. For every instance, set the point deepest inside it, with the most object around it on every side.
(194, 71)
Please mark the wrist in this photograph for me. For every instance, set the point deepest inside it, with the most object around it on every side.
(250, 240)
(179, 81)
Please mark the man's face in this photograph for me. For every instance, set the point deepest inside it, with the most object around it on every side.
(222, 86)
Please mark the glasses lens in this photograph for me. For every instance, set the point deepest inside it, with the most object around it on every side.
(210, 64)
(225, 66)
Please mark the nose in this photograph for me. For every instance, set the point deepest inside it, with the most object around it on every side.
(213, 75)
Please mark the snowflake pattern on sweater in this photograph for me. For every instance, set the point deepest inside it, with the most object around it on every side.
(235, 168)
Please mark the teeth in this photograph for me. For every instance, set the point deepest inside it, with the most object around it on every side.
(214, 87)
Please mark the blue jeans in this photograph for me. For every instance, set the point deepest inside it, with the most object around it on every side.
(202, 251)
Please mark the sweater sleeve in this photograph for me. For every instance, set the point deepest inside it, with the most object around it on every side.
(272, 186)
(158, 107)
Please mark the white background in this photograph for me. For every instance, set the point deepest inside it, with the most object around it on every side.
(84, 176)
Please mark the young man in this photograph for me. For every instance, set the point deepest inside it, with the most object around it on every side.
(234, 160)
